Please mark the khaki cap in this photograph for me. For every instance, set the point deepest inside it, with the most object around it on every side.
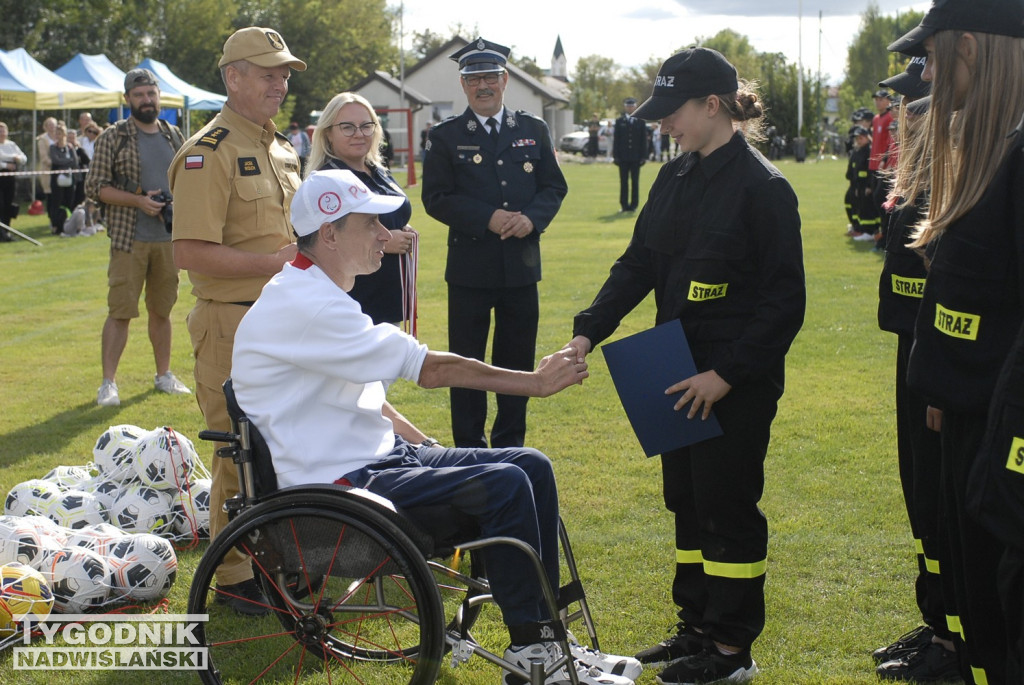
(263, 47)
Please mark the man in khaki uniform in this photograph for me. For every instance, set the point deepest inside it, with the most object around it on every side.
(233, 183)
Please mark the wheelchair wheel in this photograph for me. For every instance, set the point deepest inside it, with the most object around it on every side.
(351, 598)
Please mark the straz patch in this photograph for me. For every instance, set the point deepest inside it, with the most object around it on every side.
(194, 162)
(248, 166)
(213, 137)
(1015, 462)
(956, 324)
(524, 142)
(908, 287)
(700, 292)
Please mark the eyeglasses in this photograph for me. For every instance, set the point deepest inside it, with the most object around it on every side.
(348, 130)
(490, 79)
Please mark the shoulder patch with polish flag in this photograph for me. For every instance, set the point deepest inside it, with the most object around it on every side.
(194, 162)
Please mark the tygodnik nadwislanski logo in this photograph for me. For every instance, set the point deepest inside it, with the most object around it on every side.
(112, 642)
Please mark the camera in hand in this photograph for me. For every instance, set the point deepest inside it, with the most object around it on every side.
(167, 213)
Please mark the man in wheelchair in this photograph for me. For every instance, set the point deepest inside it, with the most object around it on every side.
(311, 372)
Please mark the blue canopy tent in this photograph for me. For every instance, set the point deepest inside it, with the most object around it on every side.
(97, 71)
(27, 84)
(195, 98)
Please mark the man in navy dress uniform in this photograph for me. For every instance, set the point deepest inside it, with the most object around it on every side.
(629, 152)
(491, 176)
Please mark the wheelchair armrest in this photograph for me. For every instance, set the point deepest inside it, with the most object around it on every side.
(218, 436)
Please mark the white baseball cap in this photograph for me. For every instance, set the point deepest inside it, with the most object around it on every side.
(328, 195)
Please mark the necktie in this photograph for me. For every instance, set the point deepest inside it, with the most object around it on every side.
(494, 128)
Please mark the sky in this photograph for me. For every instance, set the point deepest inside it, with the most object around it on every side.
(633, 31)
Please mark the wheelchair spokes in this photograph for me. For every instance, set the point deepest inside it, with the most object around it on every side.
(349, 603)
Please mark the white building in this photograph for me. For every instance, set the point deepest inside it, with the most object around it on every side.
(433, 92)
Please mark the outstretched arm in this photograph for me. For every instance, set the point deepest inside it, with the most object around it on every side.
(555, 372)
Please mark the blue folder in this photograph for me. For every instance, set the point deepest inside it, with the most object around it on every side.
(642, 366)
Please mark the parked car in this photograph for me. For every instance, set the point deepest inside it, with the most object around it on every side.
(576, 143)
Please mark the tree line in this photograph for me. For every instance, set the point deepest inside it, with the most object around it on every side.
(344, 40)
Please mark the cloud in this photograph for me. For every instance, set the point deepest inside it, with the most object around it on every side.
(651, 13)
(788, 8)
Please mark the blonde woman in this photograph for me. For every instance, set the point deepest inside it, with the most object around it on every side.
(973, 301)
(348, 136)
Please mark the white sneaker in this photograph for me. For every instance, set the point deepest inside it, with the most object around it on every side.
(107, 395)
(548, 652)
(625, 666)
(169, 384)
(863, 237)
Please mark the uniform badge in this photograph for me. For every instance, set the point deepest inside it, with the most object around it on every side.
(248, 166)
(275, 40)
(193, 161)
(428, 145)
(480, 44)
(213, 137)
(477, 158)
(528, 167)
(471, 125)
(510, 121)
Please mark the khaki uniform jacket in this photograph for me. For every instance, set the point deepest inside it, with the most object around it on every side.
(233, 184)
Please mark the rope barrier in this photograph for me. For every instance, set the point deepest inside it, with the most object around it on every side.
(43, 173)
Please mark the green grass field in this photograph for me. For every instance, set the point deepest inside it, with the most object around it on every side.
(841, 561)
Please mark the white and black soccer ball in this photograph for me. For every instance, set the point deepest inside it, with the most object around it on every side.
(192, 509)
(99, 538)
(19, 541)
(144, 567)
(106, 491)
(68, 477)
(163, 459)
(141, 509)
(76, 509)
(31, 497)
(79, 578)
(113, 451)
(48, 530)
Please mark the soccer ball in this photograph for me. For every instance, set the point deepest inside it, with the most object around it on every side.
(106, 491)
(19, 542)
(192, 509)
(23, 593)
(114, 449)
(144, 567)
(31, 497)
(76, 509)
(163, 459)
(79, 578)
(140, 509)
(99, 538)
(68, 476)
(48, 530)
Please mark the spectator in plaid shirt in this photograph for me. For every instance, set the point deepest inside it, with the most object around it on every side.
(127, 174)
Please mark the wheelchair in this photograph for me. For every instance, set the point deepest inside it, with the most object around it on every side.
(358, 591)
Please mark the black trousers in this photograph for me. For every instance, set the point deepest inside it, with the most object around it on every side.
(974, 557)
(919, 450)
(516, 311)
(629, 172)
(713, 488)
(7, 186)
(60, 203)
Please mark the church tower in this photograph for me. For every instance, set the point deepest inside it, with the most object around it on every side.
(559, 68)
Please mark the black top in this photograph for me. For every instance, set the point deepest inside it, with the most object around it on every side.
(467, 176)
(973, 304)
(630, 142)
(380, 293)
(719, 243)
(901, 285)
